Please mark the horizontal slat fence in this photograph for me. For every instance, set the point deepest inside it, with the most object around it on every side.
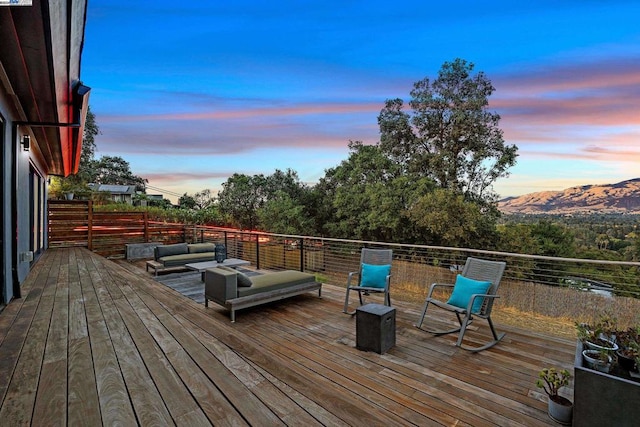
(74, 223)
(68, 223)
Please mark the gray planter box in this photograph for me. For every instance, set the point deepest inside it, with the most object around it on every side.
(601, 399)
(140, 250)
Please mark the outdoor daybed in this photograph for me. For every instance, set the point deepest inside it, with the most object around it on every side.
(179, 254)
(234, 290)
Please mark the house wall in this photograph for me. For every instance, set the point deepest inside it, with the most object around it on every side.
(5, 195)
(30, 180)
(40, 52)
(6, 288)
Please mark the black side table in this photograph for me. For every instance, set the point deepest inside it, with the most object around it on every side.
(375, 328)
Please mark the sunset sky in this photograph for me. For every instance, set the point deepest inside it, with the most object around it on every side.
(192, 92)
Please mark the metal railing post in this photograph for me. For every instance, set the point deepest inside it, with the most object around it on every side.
(258, 251)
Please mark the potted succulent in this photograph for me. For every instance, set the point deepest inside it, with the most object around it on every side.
(551, 380)
(600, 360)
(629, 343)
(604, 395)
(600, 335)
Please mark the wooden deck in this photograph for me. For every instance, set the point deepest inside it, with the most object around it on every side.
(95, 342)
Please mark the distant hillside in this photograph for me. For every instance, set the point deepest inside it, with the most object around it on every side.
(623, 197)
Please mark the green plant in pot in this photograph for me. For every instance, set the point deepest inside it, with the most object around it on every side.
(599, 360)
(629, 342)
(551, 380)
(600, 335)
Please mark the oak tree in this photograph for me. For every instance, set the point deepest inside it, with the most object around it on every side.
(450, 135)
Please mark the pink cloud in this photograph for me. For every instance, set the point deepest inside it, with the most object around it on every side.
(298, 127)
(590, 152)
(608, 154)
(604, 93)
(274, 111)
(603, 73)
(169, 178)
(571, 105)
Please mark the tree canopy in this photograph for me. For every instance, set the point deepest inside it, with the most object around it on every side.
(201, 200)
(275, 202)
(428, 180)
(115, 170)
(450, 136)
(106, 170)
(369, 196)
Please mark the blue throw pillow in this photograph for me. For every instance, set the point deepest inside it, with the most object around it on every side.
(464, 288)
(374, 276)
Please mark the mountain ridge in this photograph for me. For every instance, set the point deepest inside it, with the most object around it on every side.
(621, 197)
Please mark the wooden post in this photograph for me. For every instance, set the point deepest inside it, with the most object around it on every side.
(145, 218)
(90, 225)
(302, 255)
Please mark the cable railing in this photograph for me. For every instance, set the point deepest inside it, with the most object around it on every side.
(569, 288)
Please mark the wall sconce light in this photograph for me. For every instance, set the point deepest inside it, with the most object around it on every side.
(26, 142)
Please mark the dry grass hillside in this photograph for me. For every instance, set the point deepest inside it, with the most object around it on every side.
(623, 197)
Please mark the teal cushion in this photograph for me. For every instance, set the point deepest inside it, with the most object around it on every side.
(464, 288)
(374, 276)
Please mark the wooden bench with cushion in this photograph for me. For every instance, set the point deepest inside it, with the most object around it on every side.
(234, 290)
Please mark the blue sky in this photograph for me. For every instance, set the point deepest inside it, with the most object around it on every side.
(191, 92)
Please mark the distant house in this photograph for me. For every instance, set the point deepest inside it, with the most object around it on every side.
(118, 193)
(152, 198)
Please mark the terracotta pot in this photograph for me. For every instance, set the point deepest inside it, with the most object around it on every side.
(560, 409)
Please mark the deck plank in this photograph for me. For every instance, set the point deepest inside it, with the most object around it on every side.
(15, 321)
(83, 405)
(346, 408)
(51, 399)
(280, 403)
(249, 406)
(97, 342)
(340, 370)
(115, 405)
(373, 369)
(25, 349)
